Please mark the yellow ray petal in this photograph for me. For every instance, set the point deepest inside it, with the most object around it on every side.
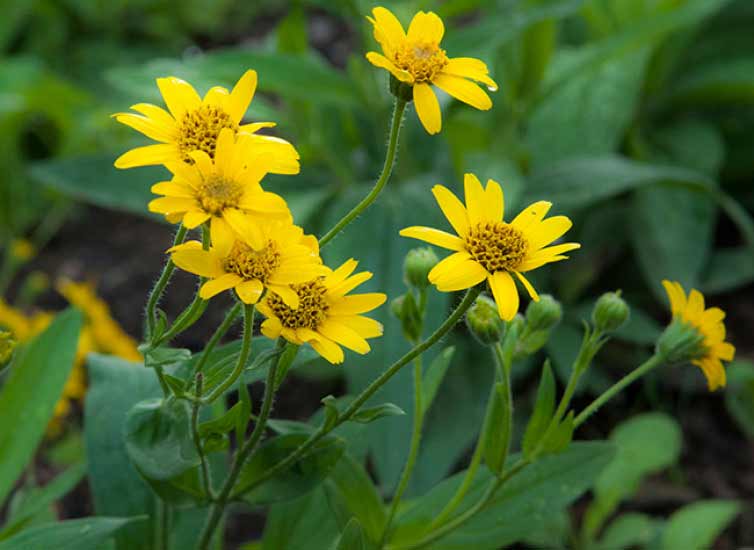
(426, 27)
(494, 201)
(149, 155)
(505, 294)
(357, 303)
(388, 31)
(530, 215)
(469, 67)
(428, 108)
(475, 199)
(194, 218)
(271, 327)
(179, 96)
(677, 301)
(433, 236)
(157, 114)
(287, 294)
(349, 284)
(264, 203)
(464, 275)
(725, 351)
(173, 189)
(216, 286)
(379, 60)
(168, 205)
(217, 96)
(241, 96)
(453, 209)
(203, 164)
(463, 90)
(366, 327)
(447, 265)
(528, 286)
(695, 305)
(250, 291)
(148, 127)
(197, 261)
(342, 273)
(283, 157)
(547, 231)
(245, 227)
(343, 335)
(328, 349)
(254, 127)
(221, 236)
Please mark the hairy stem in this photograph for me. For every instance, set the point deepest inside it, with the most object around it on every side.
(162, 282)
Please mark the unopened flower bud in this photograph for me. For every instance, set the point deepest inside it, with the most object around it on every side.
(544, 314)
(610, 312)
(7, 345)
(406, 309)
(484, 321)
(401, 90)
(681, 342)
(419, 262)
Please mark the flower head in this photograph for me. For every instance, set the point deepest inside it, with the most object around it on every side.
(416, 59)
(222, 189)
(709, 331)
(275, 256)
(194, 124)
(486, 247)
(326, 317)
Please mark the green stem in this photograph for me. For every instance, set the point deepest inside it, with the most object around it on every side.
(387, 168)
(221, 331)
(243, 357)
(206, 479)
(654, 361)
(188, 317)
(413, 452)
(218, 508)
(159, 288)
(163, 526)
(370, 390)
(504, 362)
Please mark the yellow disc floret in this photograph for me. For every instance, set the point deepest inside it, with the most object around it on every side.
(423, 60)
(497, 246)
(217, 193)
(199, 129)
(312, 309)
(249, 264)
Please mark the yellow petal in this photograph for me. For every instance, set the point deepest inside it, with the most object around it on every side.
(271, 328)
(388, 31)
(197, 261)
(531, 214)
(725, 351)
(245, 227)
(677, 301)
(475, 199)
(426, 27)
(328, 349)
(173, 189)
(366, 327)
(465, 275)
(250, 291)
(287, 294)
(695, 305)
(447, 265)
(427, 108)
(283, 157)
(379, 60)
(343, 335)
(505, 294)
(241, 96)
(254, 127)
(217, 96)
(469, 67)
(463, 90)
(349, 284)
(179, 96)
(169, 205)
(358, 303)
(433, 236)
(547, 231)
(221, 236)
(528, 286)
(149, 155)
(157, 114)
(195, 218)
(264, 203)
(216, 286)
(494, 201)
(342, 273)
(148, 127)
(453, 209)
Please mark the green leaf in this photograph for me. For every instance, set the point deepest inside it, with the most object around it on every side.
(223, 424)
(728, 269)
(306, 522)
(32, 388)
(697, 525)
(628, 531)
(495, 431)
(163, 356)
(370, 414)
(74, 534)
(244, 415)
(39, 499)
(352, 537)
(725, 80)
(543, 410)
(302, 477)
(739, 395)
(434, 375)
(524, 504)
(353, 496)
(560, 437)
(158, 438)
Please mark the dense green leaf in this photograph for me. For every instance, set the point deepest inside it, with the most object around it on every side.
(628, 531)
(306, 522)
(74, 534)
(352, 537)
(495, 432)
(697, 525)
(302, 477)
(434, 375)
(544, 407)
(370, 414)
(35, 382)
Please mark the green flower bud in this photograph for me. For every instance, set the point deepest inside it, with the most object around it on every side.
(610, 312)
(406, 309)
(484, 321)
(401, 90)
(419, 262)
(7, 345)
(532, 343)
(681, 342)
(544, 314)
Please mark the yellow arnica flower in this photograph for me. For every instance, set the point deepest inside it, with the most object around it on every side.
(709, 324)
(223, 189)
(194, 124)
(278, 256)
(488, 248)
(326, 317)
(416, 59)
(22, 250)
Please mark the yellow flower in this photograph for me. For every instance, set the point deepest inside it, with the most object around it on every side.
(194, 124)
(416, 59)
(223, 189)
(276, 255)
(22, 250)
(489, 248)
(104, 332)
(709, 325)
(326, 317)
(15, 321)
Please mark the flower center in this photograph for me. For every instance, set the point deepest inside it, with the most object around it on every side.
(496, 246)
(216, 193)
(200, 128)
(248, 263)
(423, 60)
(312, 307)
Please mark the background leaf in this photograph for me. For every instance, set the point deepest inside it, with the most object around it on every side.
(697, 525)
(74, 534)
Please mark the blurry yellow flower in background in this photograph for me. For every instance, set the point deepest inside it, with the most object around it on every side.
(223, 190)
(7, 346)
(276, 255)
(326, 317)
(708, 323)
(194, 124)
(488, 248)
(22, 250)
(416, 59)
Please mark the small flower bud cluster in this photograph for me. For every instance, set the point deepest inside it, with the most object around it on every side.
(610, 312)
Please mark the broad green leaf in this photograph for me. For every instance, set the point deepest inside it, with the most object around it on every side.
(352, 537)
(370, 414)
(306, 522)
(74, 534)
(725, 80)
(223, 424)
(581, 182)
(739, 395)
(434, 375)
(302, 477)
(158, 441)
(495, 432)
(628, 531)
(544, 407)
(524, 504)
(35, 382)
(352, 495)
(40, 498)
(697, 525)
